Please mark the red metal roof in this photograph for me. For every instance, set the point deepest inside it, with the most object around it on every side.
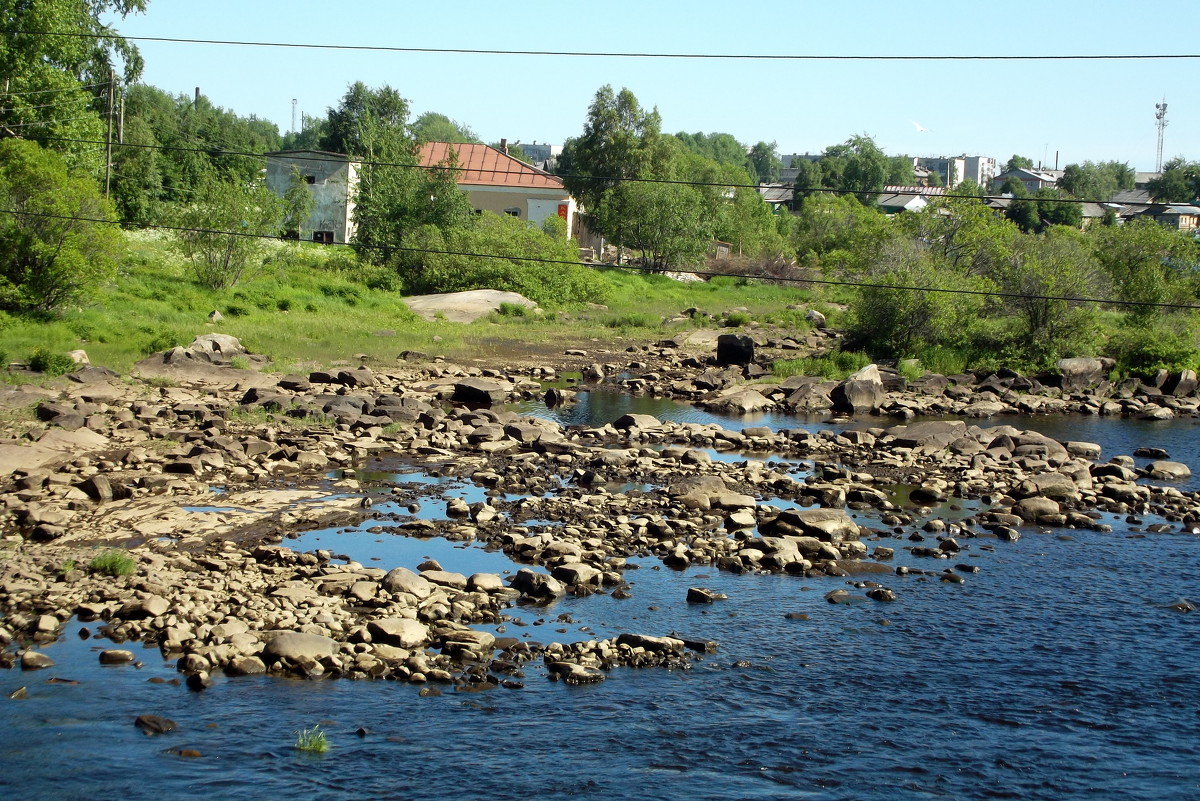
(482, 165)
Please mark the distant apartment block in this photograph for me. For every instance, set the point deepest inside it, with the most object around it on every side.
(953, 170)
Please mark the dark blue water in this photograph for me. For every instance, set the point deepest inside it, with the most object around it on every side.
(1056, 672)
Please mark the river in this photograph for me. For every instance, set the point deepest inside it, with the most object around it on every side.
(1056, 671)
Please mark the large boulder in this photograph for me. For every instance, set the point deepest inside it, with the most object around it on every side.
(296, 646)
(401, 632)
(404, 580)
(735, 349)
(827, 525)
(1080, 374)
(861, 392)
(481, 391)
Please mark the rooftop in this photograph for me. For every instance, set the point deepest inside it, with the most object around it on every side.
(483, 165)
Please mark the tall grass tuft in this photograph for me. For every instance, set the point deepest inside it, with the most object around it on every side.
(112, 563)
(312, 741)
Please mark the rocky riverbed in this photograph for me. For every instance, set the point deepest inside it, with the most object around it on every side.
(131, 463)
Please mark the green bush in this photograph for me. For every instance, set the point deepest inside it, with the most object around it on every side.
(633, 320)
(43, 361)
(1145, 351)
(161, 341)
(737, 319)
(112, 563)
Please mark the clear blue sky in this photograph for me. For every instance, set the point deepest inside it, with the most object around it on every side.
(1083, 110)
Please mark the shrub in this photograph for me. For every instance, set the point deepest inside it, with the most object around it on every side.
(633, 320)
(161, 341)
(312, 741)
(737, 319)
(64, 245)
(1144, 351)
(112, 563)
(43, 361)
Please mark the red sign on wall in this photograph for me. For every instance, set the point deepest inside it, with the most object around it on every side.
(562, 210)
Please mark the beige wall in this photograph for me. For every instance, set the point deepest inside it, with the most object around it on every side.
(531, 204)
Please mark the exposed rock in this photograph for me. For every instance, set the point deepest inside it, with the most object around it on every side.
(296, 646)
(861, 392)
(735, 349)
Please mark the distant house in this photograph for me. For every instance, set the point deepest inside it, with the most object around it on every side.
(1032, 179)
(780, 197)
(907, 200)
(331, 178)
(1179, 216)
(495, 181)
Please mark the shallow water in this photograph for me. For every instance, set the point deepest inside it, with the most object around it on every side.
(1055, 672)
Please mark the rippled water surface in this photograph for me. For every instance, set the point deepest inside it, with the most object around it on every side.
(1055, 672)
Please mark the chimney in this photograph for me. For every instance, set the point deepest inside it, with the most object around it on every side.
(196, 102)
(504, 146)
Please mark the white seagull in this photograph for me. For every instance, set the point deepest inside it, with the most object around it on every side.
(920, 128)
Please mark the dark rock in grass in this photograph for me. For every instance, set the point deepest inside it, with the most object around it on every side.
(153, 724)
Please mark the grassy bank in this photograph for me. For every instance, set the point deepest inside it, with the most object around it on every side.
(310, 306)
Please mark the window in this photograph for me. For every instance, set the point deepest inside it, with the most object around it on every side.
(513, 213)
(323, 237)
(310, 179)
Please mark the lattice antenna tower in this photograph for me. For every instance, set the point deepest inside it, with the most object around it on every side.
(1160, 116)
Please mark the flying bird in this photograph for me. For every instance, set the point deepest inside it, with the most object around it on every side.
(920, 128)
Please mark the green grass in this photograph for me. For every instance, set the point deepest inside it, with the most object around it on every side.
(312, 741)
(112, 563)
(308, 306)
(835, 365)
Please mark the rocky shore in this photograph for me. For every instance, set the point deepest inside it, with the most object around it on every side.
(131, 463)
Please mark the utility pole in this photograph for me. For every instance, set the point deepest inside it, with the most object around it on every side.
(293, 115)
(108, 139)
(1160, 117)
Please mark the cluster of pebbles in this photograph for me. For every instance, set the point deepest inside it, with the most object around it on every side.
(577, 506)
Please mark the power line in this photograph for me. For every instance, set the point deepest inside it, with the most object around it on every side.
(638, 55)
(638, 268)
(53, 91)
(217, 151)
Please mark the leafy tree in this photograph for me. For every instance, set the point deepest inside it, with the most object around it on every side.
(312, 131)
(137, 185)
(298, 203)
(964, 234)
(722, 148)
(177, 144)
(1178, 183)
(839, 232)
(54, 85)
(520, 258)
(222, 231)
(897, 316)
(857, 165)
(620, 140)
(1042, 270)
(1145, 263)
(1044, 208)
(900, 172)
(763, 161)
(968, 188)
(1018, 163)
(394, 196)
(1014, 186)
(1097, 182)
(434, 127)
(666, 222)
(54, 244)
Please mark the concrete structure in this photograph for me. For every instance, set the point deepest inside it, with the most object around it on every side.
(497, 182)
(331, 178)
